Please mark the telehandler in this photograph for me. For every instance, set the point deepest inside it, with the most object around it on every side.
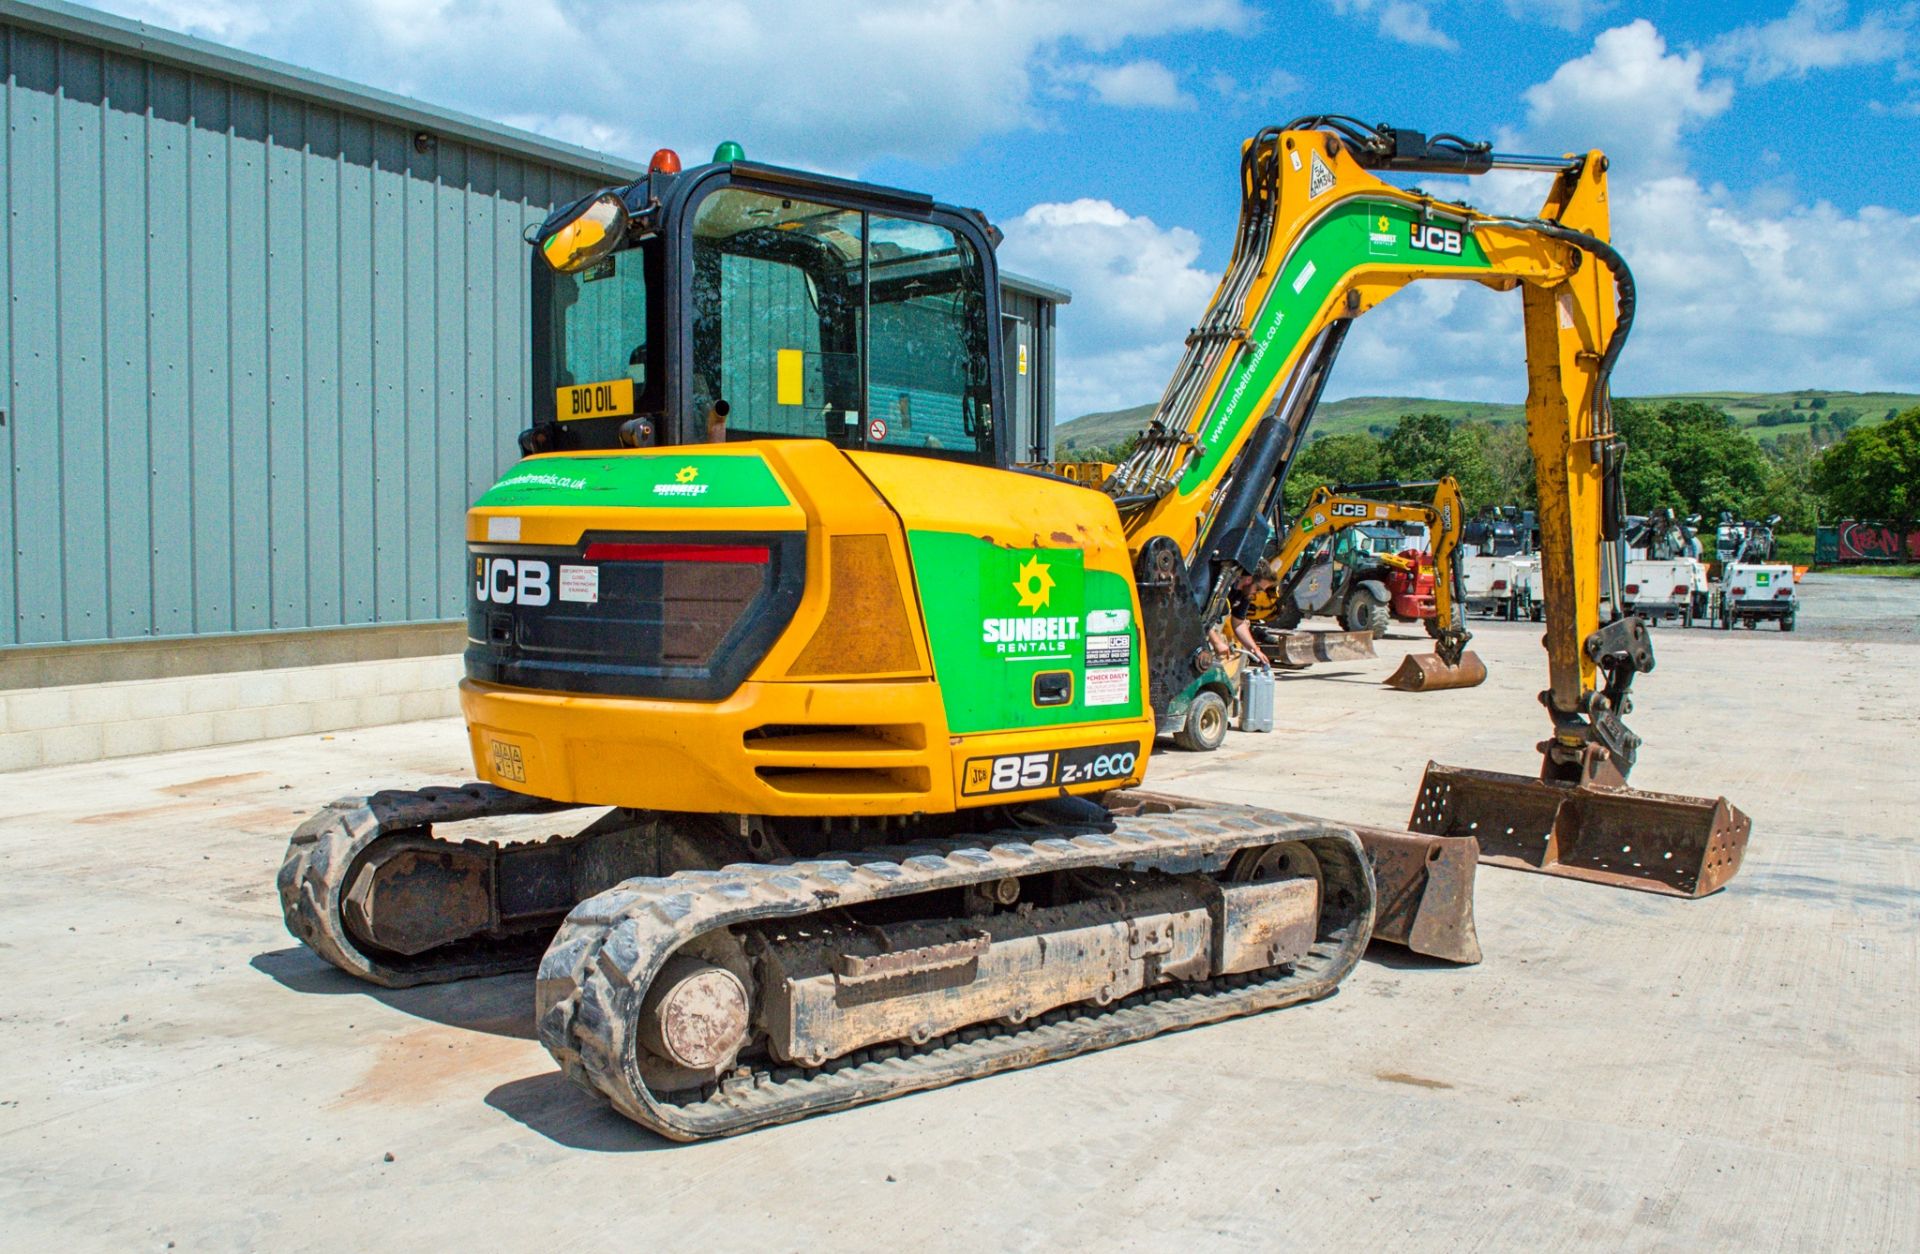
(868, 705)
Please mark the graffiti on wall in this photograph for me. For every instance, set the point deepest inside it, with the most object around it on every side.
(1866, 542)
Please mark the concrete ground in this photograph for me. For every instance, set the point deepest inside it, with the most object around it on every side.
(1623, 1069)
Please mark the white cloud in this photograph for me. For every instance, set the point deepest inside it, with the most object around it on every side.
(1752, 291)
(1404, 21)
(1731, 294)
(1566, 14)
(1628, 95)
(1136, 292)
(1142, 84)
(1813, 36)
(229, 21)
(813, 82)
(1274, 86)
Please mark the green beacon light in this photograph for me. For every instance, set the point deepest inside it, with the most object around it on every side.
(728, 151)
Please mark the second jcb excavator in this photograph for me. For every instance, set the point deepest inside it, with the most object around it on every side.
(868, 702)
(1331, 510)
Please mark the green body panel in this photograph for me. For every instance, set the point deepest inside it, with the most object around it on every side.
(1351, 236)
(692, 481)
(997, 617)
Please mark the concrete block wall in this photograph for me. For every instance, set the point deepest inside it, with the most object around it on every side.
(50, 726)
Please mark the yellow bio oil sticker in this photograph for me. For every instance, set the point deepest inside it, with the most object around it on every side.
(788, 385)
(593, 400)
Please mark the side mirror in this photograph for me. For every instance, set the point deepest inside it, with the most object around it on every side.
(591, 230)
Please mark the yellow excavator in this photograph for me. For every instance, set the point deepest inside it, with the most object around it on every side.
(861, 708)
(1331, 510)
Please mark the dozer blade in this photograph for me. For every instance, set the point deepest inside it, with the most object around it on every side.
(1304, 648)
(1424, 891)
(1653, 841)
(1427, 672)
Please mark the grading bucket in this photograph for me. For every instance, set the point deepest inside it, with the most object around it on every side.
(1653, 841)
(1427, 672)
(1424, 891)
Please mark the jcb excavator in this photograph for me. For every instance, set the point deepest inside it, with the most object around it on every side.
(868, 704)
(1330, 510)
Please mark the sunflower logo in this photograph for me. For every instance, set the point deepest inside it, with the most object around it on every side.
(1385, 226)
(687, 474)
(1035, 585)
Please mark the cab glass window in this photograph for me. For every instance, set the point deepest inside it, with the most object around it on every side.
(812, 320)
(598, 325)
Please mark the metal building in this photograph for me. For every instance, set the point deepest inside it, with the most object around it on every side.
(1026, 314)
(266, 337)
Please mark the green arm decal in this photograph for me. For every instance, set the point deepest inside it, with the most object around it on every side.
(1354, 234)
(699, 481)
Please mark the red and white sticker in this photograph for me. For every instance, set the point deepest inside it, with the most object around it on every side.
(580, 583)
(877, 429)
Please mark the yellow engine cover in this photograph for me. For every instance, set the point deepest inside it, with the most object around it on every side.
(961, 636)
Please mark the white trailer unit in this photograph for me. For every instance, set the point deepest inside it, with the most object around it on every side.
(1752, 591)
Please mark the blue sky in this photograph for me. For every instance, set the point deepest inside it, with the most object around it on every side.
(1763, 153)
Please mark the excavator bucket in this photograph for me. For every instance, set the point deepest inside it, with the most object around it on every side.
(1653, 841)
(1423, 888)
(1428, 672)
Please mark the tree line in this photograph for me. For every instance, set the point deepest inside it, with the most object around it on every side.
(1685, 455)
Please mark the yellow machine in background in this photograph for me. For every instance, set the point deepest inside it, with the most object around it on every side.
(867, 700)
(1330, 510)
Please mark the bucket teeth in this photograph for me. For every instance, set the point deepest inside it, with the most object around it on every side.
(1426, 672)
(1652, 841)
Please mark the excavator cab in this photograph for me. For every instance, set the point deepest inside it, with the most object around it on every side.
(738, 301)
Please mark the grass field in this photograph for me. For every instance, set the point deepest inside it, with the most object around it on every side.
(1363, 413)
(1892, 570)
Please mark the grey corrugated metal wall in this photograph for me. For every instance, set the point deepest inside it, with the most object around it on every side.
(260, 353)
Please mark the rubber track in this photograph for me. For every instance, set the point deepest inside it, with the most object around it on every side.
(600, 963)
(313, 877)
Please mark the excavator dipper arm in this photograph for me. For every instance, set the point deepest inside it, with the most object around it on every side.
(1322, 240)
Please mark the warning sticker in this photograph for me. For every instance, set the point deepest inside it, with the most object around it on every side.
(1320, 180)
(1305, 277)
(580, 583)
(1109, 650)
(877, 429)
(1108, 686)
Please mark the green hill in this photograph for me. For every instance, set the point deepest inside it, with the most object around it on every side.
(1781, 410)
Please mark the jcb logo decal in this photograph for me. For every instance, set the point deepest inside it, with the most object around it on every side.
(1433, 239)
(510, 581)
(1348, 511)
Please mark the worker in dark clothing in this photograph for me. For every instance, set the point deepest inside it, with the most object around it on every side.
(1239, 616)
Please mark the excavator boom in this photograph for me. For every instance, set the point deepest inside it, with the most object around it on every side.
(1322, 240)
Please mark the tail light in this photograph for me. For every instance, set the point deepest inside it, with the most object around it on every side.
(1739, 592)
(1633, 589)
(1499, 585)
(726, 554)
(1679, 589)
(1783, 592)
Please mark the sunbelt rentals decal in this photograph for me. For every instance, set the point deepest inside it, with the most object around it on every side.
(1040, 593)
